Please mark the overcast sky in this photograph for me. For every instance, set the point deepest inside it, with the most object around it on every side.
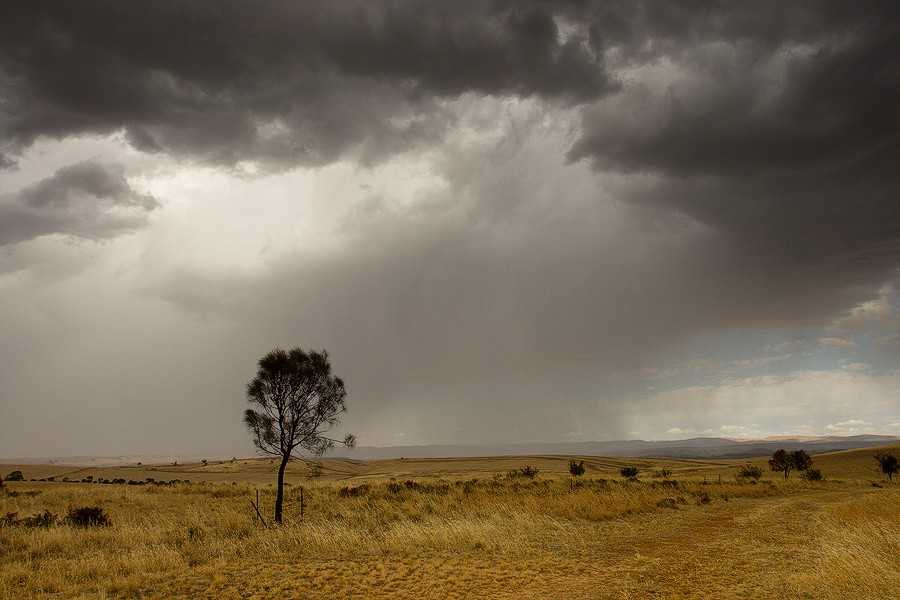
(505, 221)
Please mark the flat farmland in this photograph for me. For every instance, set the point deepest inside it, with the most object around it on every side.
(455, 528)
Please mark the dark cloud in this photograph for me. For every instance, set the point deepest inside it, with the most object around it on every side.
(782, 133)
(585, 186)
(85, 200)
(286, 83)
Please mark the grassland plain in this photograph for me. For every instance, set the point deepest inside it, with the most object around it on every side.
(459, 529)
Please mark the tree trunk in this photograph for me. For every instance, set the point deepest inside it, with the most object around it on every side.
(279, 497)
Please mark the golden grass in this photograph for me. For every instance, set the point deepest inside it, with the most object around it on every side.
(491, 536)
(859, 547)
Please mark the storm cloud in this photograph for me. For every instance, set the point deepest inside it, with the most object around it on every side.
(532, 218)
(85, 200)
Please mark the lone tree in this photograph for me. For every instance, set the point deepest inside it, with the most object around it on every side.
(796, 460)
(888, 464)
(297, 401)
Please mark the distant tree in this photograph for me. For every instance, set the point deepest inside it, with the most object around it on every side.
(797, 460)
(297, 402)
(629, 472)
(15, 476)
(888, 464)
(576, 468)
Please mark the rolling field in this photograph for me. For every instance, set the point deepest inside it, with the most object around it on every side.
(456, 528)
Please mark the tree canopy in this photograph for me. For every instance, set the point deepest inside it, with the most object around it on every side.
(888, 464)
(781, 461)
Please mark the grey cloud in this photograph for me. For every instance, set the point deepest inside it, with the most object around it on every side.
(778, 132)
(85, 200)
(282, 82)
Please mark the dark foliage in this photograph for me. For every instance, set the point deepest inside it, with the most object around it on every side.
(527, 472)
(813, 475)
(629, 472)
(887, 464)
(41, 519)
(752, 472)
(797, 460)
(88, 516)
(576, 468)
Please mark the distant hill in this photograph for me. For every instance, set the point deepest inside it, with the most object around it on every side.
(695, 448)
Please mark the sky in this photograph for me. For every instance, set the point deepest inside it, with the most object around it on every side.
(505, 221)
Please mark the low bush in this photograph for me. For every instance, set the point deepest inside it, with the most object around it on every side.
(813, 475)
(41, 519)
(88, 516)
(353, 492)
(576, 468)
(629, 472)
(751, 472)
(527, 472)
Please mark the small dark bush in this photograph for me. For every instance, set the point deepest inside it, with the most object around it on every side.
(529, 472)
(751, 472)
(88, 516)
(629, 472)
(703, 498)
(576, 468)
(666, 483)
(15, 476)
(394, 487)
(525, 472)
(666, 503)
(349, 492)
(813, 475)
(663, 473)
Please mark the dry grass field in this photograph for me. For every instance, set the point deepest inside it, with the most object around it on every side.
(456, 528)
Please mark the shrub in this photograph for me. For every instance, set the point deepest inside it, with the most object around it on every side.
(663, 473)
(666, 503)
(44, 519)
(15, 476)
(524, 472)
(672, 483)
(749, 471)
(813, 475)
(576, 468)
(629, 472)
(354, 492)
(88, 516)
